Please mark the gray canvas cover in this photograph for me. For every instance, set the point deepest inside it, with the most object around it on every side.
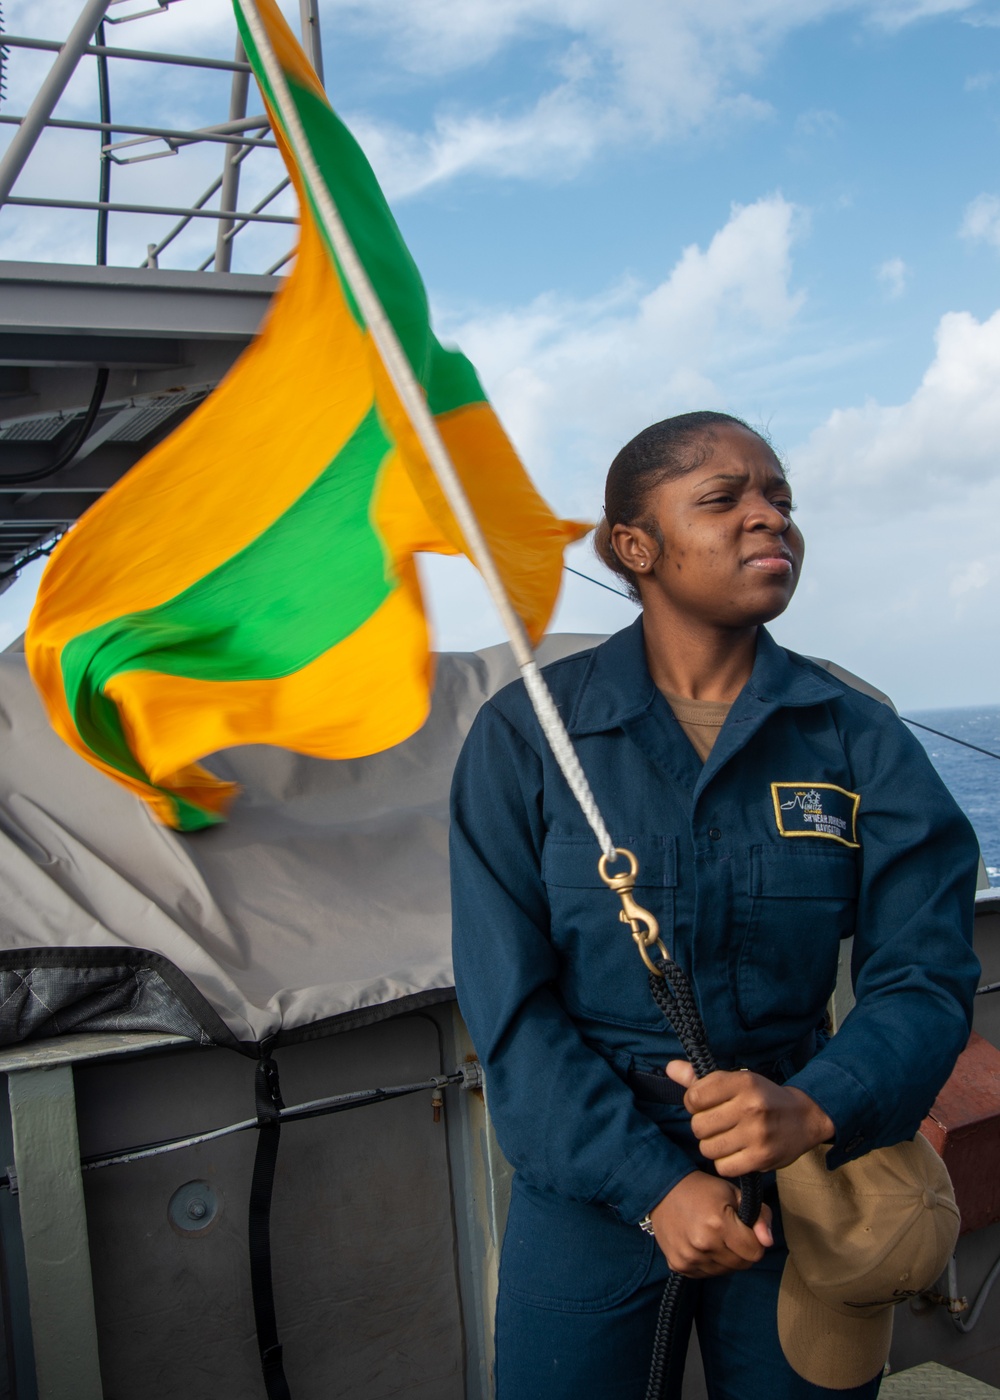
(324, 896)
(322, 901)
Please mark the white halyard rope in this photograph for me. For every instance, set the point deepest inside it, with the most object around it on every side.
(565, 754)
(411, 396)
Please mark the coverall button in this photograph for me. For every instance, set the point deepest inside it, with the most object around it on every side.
(715, 833)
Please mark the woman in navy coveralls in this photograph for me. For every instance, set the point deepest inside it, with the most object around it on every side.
(816, 816)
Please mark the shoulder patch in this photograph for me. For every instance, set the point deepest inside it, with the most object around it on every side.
(816, 809)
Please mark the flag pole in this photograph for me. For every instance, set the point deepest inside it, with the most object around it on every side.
(411, 396)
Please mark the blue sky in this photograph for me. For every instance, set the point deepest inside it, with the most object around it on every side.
(625, 209)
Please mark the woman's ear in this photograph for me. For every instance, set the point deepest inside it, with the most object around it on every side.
(635, 547)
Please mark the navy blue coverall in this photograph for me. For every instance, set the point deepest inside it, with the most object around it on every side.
(816, 817)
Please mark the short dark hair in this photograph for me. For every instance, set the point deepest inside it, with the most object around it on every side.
(661, 452)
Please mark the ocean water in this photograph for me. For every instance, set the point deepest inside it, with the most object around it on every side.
(973, 778)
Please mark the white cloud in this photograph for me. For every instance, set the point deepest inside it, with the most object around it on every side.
(983, 20)
(643, 71)
(967, 578)
(573, 379)
(818, 121)
(653, 43)
(980, 82)
(896, 14)
(554, 139)
(904, 455)
(982, 220)
(879, 589)
(899, 503)
(893, 275)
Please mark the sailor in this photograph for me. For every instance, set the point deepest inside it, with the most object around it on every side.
(775, 812)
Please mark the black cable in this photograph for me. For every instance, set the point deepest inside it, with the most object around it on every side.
(70, 451)
(673, 995)
(318, 1108)
(617, 591)
(942, 735)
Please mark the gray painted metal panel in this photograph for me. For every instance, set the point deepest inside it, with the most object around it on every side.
(364, 1244)
(54, 388)
(71, 1049)
(38, 349)
(162, 333)
(17, 1370)
(54, 1231)
(66, 300)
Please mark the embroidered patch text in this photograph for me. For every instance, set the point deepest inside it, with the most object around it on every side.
(817, 809)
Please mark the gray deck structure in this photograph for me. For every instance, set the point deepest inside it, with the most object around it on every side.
(98, 364)
(165, 337)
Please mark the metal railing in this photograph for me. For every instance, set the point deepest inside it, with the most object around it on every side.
(126, 143)
(241, 135)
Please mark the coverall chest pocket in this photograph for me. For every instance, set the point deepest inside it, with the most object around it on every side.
(802, 903)
(602, 976)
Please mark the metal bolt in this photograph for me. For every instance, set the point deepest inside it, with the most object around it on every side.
(193, 1208)
(472, 1075)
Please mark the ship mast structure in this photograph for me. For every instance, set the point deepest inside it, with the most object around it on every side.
(99, 363)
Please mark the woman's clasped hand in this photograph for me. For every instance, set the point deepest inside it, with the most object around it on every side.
(744, 1123)
(699, 1232)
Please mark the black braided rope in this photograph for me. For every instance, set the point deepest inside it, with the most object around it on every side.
(674, 996)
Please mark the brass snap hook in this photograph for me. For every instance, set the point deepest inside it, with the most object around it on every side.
(632, 913)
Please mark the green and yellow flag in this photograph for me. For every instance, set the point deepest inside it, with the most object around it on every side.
(252, 579)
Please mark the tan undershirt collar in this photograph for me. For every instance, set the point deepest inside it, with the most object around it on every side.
(701, 720)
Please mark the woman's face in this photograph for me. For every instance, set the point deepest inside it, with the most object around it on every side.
(731, 555)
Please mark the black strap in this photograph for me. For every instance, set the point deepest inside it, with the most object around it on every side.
(268, 1095)
(655, 1087)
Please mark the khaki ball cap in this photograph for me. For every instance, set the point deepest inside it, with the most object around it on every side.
(861, 1239)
